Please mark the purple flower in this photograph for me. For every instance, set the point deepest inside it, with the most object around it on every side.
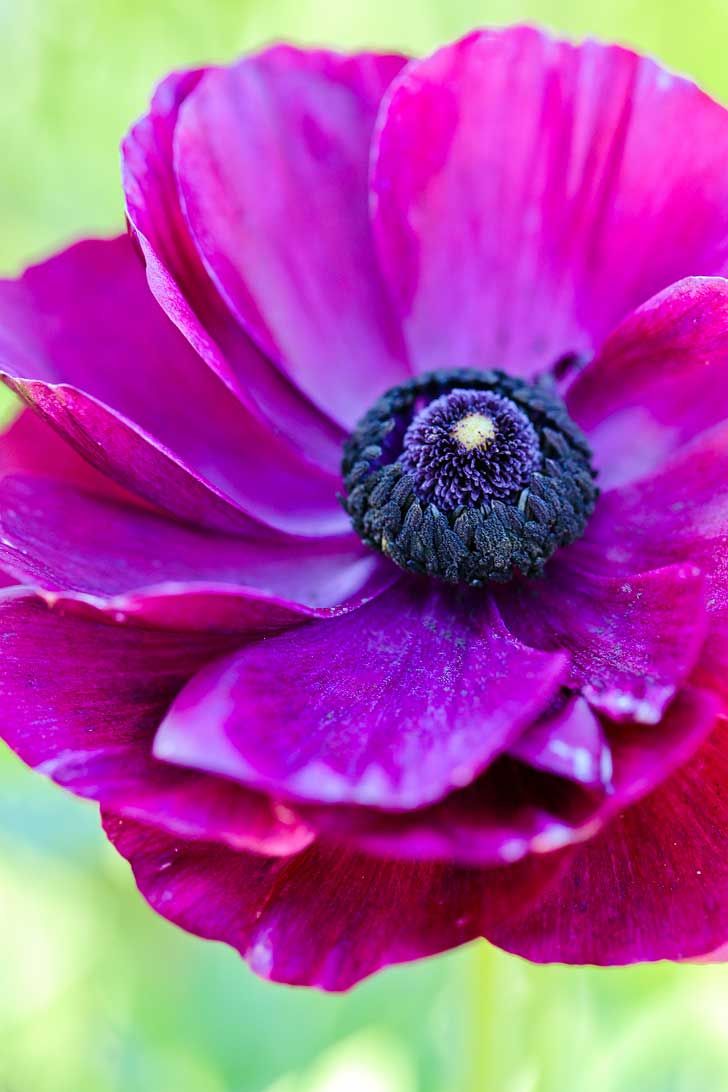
(473, 683)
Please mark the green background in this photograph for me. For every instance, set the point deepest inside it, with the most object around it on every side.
(96, 994)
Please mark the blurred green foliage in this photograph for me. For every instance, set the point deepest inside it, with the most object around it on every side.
(97, 994)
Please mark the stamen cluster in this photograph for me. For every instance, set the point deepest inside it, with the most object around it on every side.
(469, 476)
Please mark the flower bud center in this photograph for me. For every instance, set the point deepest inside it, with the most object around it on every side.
(469, 476)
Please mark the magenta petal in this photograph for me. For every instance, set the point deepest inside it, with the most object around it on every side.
(393, 706)
(504, 816)
(30, 446)
(65, 540)
(84, 342)
(272, 159)
(569, 742)
(653, 886)
(660, 379)
(327, 917)
(184, 290)
(679, 513)
(80, 703)
(523, 191)
(512, 811)
(632, 640)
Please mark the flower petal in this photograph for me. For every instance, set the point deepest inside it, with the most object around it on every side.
(327, 917)
(415, 694)
(84, 342)
(30, 446)
(680, 513)
(80, 703)
(567, 741)
(272, 160)
(658, 381)
(133, 562)
(182, 287)
(653, 886)
(512, 811)
(530, 193)
(632, 641)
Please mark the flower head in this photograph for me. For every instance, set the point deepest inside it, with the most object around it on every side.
(364, 538)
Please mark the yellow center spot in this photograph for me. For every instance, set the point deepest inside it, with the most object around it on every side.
(475, 430)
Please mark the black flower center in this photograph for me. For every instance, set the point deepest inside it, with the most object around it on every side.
(469, 476)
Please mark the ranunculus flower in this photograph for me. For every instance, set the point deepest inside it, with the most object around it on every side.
(473, 684)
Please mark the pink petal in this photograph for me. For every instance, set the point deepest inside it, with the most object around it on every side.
(659, 380)
(272, 161)
(528, 194)
(413, 694)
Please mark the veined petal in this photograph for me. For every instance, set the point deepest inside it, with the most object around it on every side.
(133, 563)
(632, 640)
(658, 381)
(679, 515)
(512, 812)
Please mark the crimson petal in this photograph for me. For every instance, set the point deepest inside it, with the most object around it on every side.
(328, 916)
(80, 703)
(653, 886)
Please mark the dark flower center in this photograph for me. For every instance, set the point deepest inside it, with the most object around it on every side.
(469, 476)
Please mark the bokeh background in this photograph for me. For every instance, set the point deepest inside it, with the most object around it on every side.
(96, 993)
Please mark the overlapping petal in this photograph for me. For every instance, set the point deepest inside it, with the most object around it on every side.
(304, 752)
(83, 341)
(679, 513)
(513, 811)
(653, 886)
(181, 285)
(327, 917)
(80, 703)
(530, 193)
(30, 446)
(103, 556)
(272, 160)
(659, 380)
(392, 706)
(568, 741)
(632, 639)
